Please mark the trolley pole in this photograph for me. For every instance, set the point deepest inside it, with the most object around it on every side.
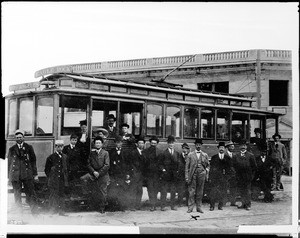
(258, 79)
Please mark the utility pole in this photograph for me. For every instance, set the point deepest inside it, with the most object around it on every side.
(258, 80)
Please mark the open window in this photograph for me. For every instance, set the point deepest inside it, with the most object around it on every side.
(154, 119)
(190, 124)
(131, 114)
(223, 124)
(173, 121)
(207, 123)
(239, 127)
(26, 115)
(44, 120)
(73, 109)
(12, 118)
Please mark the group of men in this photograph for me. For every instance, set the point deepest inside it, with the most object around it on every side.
(119, 174)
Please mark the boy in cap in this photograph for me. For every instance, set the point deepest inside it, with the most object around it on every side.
(181, 185)
(245, 167)
(22, 170)
(196, 172)
(278, 153)
(151, 171)
(219, 170)
(56, 170)
(168, 165)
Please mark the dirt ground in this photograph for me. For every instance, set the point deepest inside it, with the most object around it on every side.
(226, 221)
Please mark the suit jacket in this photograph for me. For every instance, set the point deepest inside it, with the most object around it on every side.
(117, 167)
(135, 163)
(278, 153)
(245, 166)
(191, 164)
(219, 169)
(85, 148)
(168, 165)
(100, 163)
(113, 133)
(21, 162)
(151, 167)
(56, 169)
(74, 157)
(264, 168)
(181, 167)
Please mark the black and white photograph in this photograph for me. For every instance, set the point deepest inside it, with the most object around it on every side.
(150, 118)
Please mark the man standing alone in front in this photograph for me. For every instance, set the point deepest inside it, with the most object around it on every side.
(22, 170)
(196, 171)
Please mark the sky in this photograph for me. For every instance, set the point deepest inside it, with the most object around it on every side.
(37, 35)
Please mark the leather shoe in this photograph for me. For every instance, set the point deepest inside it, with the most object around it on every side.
(211, 208)
(173, 208)
(152, 209)
(220, 208)
(189, 210)
(199, 210)
(163, 209)
(241, 207)
(248, 208)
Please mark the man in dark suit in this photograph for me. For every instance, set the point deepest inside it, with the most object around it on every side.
(278, 153)
(151, 171)
(245, 167)
(98, 177)
(264, 174)
(117, 172)
(84, 141)
(168, 164)
(56, 170)
(219, 170)
(135, 165)
(180, 181)
(257, 140)
(231, 179)
(74, 156)
(22, 170)
(196, 171)
(112, 131)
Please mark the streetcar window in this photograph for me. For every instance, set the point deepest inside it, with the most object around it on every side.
(190, 126)
(131, 114)
(239, 126)
(173, 121)
(154, 120)
(207, 123)
(44, 116)
(270, 127)
(12, 117)
(100, 112)
(255, 122)
(26, 115)
(223, 124)
(73, 110)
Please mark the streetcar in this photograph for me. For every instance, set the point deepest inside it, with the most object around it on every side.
(51, 109)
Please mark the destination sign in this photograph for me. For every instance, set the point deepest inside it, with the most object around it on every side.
(24, 86)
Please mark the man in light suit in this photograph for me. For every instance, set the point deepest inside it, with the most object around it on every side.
(196, 172)
(245, 166)
(98, 178)
(277, 153)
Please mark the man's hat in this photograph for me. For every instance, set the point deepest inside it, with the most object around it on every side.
(118, 139)
(185, 145)
(276, 134)
(19, 131)
(140, 138)
(154, 138)
(111, 116)
(257, 130)
(59, 142)
(125, 125)
(171, 139)
(198, 140)
(103, 130)
(229, 143)
(83, 122)
(221, 143)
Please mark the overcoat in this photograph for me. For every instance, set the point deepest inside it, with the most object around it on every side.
(191, 164)
(117, 167)
(21, 162)
(168, 165)
(245, 166)
(56, 170)
(100, 163)
(74, 158)
(135, 163)
(219, 169)
(151, 167)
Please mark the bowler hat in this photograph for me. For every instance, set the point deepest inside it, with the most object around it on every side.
(111, 116)
(83, 122)
(125, 125)
(221, 143)
(257, 130)
(198, 141)
(154, 138)
(171, 139)
(229, 143)
(19, 131)
(185, 145)
(276, 134)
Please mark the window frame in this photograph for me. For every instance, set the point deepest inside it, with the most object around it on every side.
(162, 105)
(198, 121)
